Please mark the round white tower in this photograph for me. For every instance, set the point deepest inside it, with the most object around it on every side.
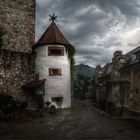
(53, 64)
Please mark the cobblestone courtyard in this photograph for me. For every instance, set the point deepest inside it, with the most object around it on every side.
(82, 122)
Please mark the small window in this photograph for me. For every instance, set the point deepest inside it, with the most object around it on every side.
(55, 51)
(54, 72)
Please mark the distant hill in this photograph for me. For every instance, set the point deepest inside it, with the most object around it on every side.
(84, 70)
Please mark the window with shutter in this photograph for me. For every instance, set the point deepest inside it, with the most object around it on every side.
(55, 72)
(55, 51)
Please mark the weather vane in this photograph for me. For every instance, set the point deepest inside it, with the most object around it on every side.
(53, 17)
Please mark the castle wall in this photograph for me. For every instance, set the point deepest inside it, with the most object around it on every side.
(17, 19)
(55, 86)
(16, 69)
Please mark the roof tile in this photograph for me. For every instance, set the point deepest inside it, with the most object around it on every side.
(52, 36)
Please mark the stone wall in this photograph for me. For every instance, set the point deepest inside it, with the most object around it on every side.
(122, 85)
(136, 89)
(17, 19)
(116, 63)
(132, 74)
(16, 69)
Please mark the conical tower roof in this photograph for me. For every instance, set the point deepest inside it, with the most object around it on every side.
(52, 36)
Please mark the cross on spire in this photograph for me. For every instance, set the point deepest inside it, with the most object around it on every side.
(53, 17)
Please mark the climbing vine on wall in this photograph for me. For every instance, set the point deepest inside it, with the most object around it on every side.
(71, 51)
(1, 35)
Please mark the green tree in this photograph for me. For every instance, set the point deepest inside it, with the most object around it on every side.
(81, 86)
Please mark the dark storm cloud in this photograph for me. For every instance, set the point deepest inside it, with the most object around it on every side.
(95, 27)
(128, 8)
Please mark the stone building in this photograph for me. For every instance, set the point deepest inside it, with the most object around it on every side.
(130, 71)
(116, 85)
(17, 25)
(17, 20)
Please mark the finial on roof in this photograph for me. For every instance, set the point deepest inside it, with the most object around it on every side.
(53, 17)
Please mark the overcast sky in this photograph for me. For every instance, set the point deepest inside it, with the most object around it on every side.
(96, 28)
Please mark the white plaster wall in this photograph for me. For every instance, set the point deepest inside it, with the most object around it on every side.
(55, 86)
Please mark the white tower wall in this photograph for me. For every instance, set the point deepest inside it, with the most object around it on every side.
(55, 86)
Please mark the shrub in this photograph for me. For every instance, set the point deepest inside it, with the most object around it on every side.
(52, 109)
(21, 105)
(48, 103)
(36, 114)
(9, 105)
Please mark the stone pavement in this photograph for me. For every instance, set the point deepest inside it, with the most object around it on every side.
(82, 122)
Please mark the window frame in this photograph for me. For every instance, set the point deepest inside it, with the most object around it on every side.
(55, 48)
(55, 72)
